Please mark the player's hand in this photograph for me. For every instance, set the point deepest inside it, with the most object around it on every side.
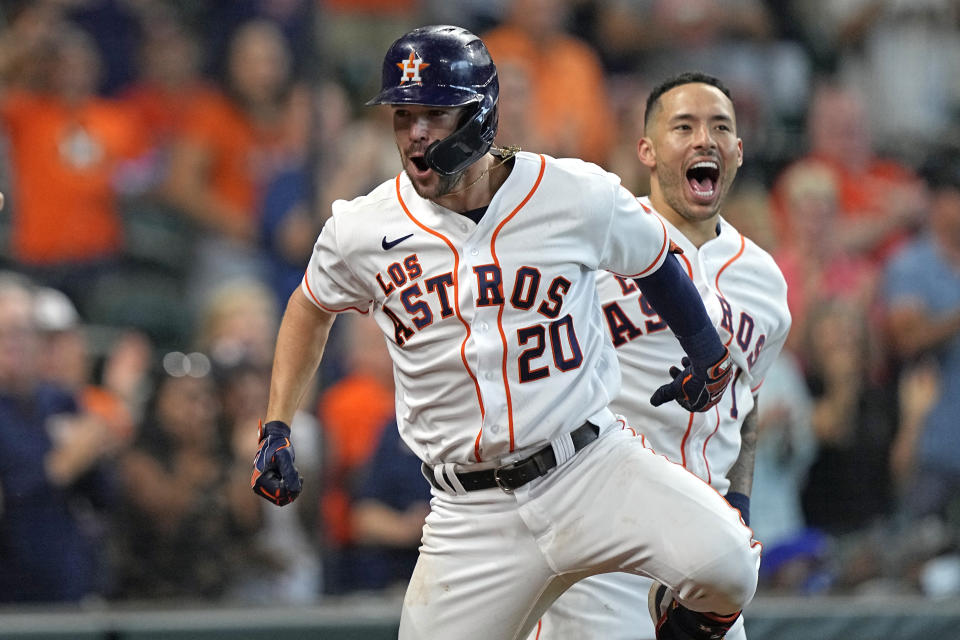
(274, 476)
(695, 389)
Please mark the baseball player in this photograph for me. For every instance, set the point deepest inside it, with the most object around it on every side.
(479, 266)
(692, 150)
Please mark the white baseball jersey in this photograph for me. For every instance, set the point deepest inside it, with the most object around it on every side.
(494, 327)
(499, 345)
(745, 294)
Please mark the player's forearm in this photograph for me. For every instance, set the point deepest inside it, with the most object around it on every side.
(856, 237)
(300, 343)
(914, 332)
(374, 523)
(832, 414)
(83, 442)
(740, 475)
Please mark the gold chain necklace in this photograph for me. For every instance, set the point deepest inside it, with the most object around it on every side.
(506, 153)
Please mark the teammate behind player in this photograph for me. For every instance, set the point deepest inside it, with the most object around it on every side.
(480, 267)
(693, 152)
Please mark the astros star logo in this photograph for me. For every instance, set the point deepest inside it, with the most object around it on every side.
(411, 68)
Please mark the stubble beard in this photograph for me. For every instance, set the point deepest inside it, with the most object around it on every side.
(445, 184)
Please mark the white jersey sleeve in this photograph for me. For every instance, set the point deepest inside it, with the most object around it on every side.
(605, 225)
(330, 281)
(625, 252)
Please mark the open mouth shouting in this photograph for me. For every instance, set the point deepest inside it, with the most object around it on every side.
(418, 164)
(703, 178)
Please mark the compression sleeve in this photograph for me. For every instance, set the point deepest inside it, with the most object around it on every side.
(741, 503)
(675, 298)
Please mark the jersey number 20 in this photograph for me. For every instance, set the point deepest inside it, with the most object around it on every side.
(563, 345)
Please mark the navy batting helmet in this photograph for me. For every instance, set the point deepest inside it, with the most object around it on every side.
(445, 66)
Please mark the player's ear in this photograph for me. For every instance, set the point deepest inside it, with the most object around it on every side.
(739, 152)
(647, 155)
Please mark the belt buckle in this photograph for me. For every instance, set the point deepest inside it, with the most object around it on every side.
(497, 479)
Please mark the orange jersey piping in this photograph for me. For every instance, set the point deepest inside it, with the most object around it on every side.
(716, 282)
(325, 307)
(713, 433)
(456, 297)
(683, 443)
(503, 335)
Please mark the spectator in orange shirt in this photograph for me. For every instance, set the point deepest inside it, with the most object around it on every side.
(167, 87)
(814, 262)
(880, 200)
(234, 142)
(568, 112)
(353, 412)
(351, 33)
(66, 145)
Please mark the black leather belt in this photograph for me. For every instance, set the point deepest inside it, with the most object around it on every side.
(519, 473)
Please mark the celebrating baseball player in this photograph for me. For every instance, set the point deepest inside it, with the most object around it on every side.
(692, 150)
(478, 263)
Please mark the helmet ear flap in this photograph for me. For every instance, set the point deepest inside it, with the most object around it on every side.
(461, 148)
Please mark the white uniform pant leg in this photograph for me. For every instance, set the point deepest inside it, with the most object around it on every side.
(617, 506)
(479, 573)
(491, 563)
(607, 606)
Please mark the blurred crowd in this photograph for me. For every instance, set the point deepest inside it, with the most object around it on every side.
(168, 165)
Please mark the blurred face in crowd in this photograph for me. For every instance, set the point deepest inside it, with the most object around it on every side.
(812, 201)
(837, 340)
(239, 323)
(259, 63)
(945, 216)
(66, 358)
(78, 65)
(540, 18)
(693, 152)
(187, 408)
(169, 55)
(838, 126)
(415, 128)
(19, 341)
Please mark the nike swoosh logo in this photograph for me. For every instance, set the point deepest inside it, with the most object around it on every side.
(391, 244)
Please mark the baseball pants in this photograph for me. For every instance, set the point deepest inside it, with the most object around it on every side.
(492, 562)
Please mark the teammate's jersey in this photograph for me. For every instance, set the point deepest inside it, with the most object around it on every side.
(745, 295)
(495, 331)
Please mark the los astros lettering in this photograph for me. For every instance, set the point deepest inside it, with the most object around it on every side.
(622, 328)
(421, 303)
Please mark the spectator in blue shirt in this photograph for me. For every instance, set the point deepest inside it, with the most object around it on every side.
(389, 507)
(51, 481)
(922, 290)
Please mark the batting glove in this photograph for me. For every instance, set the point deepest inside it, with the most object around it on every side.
(695, 389)
(274, 476)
